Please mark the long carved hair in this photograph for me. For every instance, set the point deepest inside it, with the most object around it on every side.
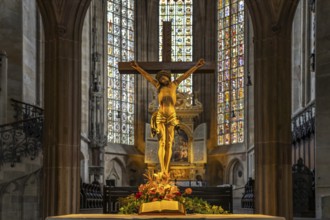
(161, 73)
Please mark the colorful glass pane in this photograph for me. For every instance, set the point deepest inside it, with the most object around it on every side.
(120, 17)
(230, 71)
(180, 13)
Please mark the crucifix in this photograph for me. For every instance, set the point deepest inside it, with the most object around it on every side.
(164, 121)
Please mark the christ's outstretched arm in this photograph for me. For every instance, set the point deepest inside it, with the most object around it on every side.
(184, 76)
(145, 74)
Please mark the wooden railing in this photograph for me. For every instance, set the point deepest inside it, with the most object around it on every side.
(91, 196)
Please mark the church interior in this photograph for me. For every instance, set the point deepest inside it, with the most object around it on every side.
(75, 117)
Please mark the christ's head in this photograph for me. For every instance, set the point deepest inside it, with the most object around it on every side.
(164, 77)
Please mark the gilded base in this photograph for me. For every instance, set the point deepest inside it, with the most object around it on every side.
(163, 207)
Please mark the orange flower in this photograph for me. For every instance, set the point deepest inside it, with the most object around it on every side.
(161, 190)
(188, 191)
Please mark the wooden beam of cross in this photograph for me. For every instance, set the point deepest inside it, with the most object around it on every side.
(174, 67)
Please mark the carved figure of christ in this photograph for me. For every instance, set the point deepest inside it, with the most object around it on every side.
(164, 121)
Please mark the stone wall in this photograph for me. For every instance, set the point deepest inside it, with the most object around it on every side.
(249, 100)
(85, 74)
(20, 190)
(322, 108)
(297, 58)
(18, 37)
(303, 76)
(11, 42)
(29, 51)
(20, 185)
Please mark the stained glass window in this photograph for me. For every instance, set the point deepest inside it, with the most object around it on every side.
(230, 72)
(121, 98)
(180, 13)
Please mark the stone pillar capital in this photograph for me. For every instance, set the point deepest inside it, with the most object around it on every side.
(271, 17)
(63, 18)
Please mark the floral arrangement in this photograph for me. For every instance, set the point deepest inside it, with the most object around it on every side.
(160, 187)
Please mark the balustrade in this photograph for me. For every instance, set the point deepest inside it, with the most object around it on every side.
(22, 138)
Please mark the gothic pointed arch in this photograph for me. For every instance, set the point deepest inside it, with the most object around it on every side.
(116, 172)
(235, 173)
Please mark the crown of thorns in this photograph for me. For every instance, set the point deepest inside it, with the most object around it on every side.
(163, 73)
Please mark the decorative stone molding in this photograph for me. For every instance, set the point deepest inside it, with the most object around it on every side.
(303, 124)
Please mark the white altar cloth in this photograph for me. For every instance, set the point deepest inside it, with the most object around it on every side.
(161, 217)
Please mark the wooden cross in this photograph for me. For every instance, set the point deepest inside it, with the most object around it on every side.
(166, 64)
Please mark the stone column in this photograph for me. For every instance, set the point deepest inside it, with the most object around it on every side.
(63, 21)
(322, 114)
(272, 24)
(3, 87)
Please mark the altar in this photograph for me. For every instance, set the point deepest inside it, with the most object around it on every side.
(160, 217)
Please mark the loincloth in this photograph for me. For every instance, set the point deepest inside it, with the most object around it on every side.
(159, 118)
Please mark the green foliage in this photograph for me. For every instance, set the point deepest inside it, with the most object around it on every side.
(129, 205)
(198, 205)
